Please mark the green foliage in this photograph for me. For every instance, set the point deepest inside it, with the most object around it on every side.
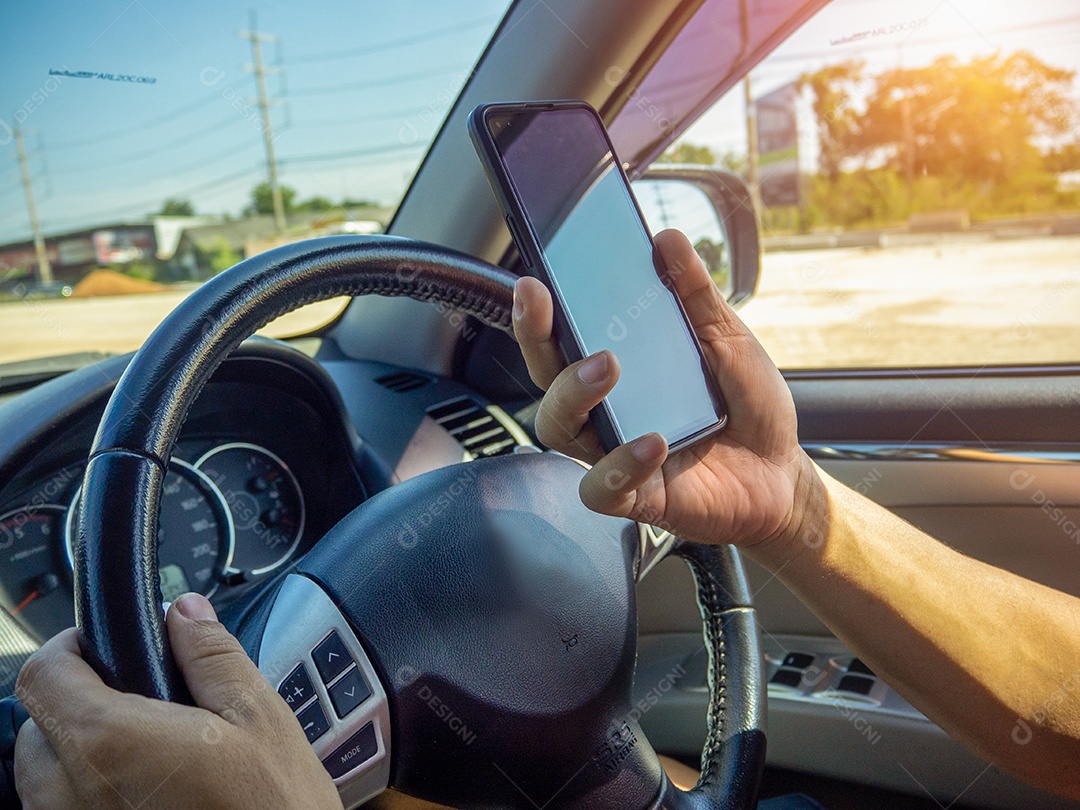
(689, 153)
(177, 208)
(315, 205)
(1066, 158)
(834, 89)
(221, 256)
(262, 200)
(350, 203)
(716, 260)
(950, 135)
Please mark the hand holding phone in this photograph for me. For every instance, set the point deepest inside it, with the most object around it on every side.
(577, 226)
(747, 484)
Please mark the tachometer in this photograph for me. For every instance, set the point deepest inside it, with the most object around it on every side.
(29, 549)
(195, 532)
(266, 502)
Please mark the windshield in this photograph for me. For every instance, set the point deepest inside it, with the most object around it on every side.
(151, 145)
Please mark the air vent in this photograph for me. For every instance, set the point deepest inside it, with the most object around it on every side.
(401, 381)
(476, 427)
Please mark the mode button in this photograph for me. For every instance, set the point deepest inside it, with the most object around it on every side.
(359, 748)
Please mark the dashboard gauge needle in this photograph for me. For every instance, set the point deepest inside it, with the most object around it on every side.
(30, 598)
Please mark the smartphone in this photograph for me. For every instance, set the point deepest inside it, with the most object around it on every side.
(578, 228)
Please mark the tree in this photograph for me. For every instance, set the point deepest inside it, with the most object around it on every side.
(1065, 158)
(315, 205)
(977, 121)
(704, 156)
(262, 201)
(689, 153)
(834, 90)
(221, 256)
(350, 203)
(732, 162)
(177, 208)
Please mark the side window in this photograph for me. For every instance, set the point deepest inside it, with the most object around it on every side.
(918, 172)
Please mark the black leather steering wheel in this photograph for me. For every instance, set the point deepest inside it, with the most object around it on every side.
(487, 585)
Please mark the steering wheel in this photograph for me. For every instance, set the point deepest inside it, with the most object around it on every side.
(468, 636)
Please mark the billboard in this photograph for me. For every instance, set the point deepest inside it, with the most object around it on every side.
(778, 147)
(123, 244)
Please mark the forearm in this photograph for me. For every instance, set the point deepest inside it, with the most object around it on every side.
(992, 658)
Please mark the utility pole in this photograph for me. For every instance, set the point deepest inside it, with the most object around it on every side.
(45, 275)
(909, 144)
(264, 107)
(752, 177)
(908, 132)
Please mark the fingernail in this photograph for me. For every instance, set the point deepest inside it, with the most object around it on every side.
(195, 606)
(593, 369)
(519, 304)
(647, 448)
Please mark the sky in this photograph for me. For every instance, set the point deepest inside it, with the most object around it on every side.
(364, 89)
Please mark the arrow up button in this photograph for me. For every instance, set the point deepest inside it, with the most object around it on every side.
(331, 657)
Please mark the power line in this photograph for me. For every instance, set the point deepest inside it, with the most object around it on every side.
(368, 152)
(152, 202)
(180, 170)
(809, 55)
(364, 85)
(169, 117)
(364, 119)
(401, 42)
(157, 150)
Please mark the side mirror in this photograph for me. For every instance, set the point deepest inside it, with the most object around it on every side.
(715, 210)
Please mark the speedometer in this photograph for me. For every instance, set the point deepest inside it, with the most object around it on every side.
(266, 502)
(29, 545)
(195, 532)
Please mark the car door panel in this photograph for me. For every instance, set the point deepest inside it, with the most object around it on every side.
(987, 463)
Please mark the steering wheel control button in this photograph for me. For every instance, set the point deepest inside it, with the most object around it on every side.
(786, 677)
(297, 689)
(331, 657)
(349, 692)
(856, 684)
(358, 749)
(347, 716)
(798, 660)
(313, 721)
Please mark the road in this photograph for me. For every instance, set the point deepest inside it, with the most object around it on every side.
(958, 303)
(961, 302)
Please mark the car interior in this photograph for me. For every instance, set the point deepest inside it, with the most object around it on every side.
(374, 491)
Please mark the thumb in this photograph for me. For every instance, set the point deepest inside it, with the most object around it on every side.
(217, 670)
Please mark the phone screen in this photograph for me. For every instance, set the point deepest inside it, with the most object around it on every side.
(600, 259)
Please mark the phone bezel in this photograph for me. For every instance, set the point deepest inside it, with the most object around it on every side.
(536, 264)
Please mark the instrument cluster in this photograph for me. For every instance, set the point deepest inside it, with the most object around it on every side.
(231, 514)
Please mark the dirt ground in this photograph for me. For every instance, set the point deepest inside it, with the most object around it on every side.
(961, 302)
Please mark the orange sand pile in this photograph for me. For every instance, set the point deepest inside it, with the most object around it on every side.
(109, 282)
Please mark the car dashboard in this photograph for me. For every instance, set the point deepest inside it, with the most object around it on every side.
(269, 459)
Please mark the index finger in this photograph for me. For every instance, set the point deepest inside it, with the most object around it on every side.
(532, 328)
(59, 689)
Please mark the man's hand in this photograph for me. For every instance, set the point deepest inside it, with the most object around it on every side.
(90, 746)
(738, 486)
